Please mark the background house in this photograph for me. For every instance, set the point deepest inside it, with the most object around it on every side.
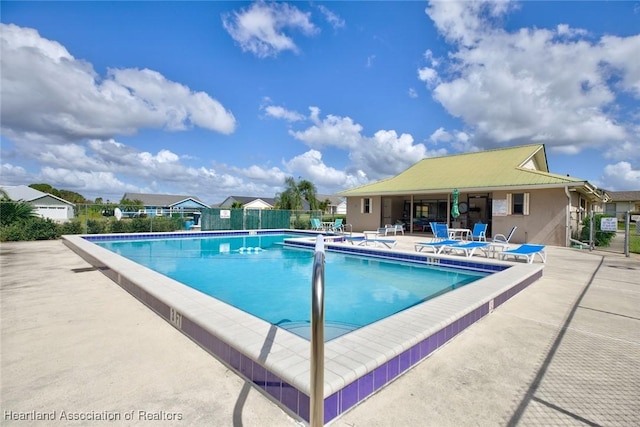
(249, 202)
(502, 188)
(45, 205)
(622, 202)
(337, 205)
(166, 204)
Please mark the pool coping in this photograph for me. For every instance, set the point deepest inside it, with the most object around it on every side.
(276, 361)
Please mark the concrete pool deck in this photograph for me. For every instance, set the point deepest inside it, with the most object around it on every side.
(563, 351)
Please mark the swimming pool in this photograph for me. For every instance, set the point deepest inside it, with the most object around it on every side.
(359, 290)
(276, 361)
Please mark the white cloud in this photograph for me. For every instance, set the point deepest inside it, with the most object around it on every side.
(47, 94)
(310, 166)
(333, 131)
(86, 181)
(282, 113)
(332, 18)
(260, 29)
(412, 93)
(532, 85)
(620, 176)
(428, 75)
(12, 174)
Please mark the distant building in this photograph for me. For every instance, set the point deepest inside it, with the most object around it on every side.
(622, 202)
(252, 202)
(166, 204)
(337, 205)
(249, 202)
(45, 205)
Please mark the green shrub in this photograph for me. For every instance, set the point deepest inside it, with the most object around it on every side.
(140, 225)
(96, 226)
(600, 238)
(121, 226)
(71, 227)
(42, 229)
(30, 229)
(12, 233)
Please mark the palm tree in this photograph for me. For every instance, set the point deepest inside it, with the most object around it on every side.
(291, 198)
(12, 211)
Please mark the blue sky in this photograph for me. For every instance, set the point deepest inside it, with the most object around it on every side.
(214, 99)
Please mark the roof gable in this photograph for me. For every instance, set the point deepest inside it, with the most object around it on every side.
(159, 200)
(28, 194)
(507, 167)
(247, 199)
(624, 196)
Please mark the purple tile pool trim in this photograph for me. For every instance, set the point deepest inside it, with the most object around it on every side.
(292, 400)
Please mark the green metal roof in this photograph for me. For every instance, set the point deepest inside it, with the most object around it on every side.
(521, 166)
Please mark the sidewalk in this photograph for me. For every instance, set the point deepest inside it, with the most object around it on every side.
(565, 351)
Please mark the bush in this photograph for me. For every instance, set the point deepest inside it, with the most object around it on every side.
(96, 226)
(121, 226)
(30, 229)
(71, 227)
(601, 238)
(12, 233)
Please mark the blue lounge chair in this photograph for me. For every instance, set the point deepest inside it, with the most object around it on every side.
(479, 232)
(526, 251)
(359, 240)
(440, 231)
(376, 240)
(436, 246)
(467, 249)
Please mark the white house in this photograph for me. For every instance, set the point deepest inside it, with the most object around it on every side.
(249, 202)
(45, 205)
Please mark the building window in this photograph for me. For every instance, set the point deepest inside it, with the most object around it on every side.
(518, 203)
(366, 206)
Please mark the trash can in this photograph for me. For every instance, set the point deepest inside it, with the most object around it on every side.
(188, 225)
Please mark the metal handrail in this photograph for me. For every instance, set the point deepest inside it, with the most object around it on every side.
(316, 400)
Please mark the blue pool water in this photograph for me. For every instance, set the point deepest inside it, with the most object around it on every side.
(258, 275)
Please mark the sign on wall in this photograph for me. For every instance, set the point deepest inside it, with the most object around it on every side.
(609, 224)
(225, 214)
(499, 207)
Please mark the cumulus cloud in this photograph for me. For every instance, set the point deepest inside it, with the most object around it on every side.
(332, 131)
(47, 94)
(311, 166)
(553, 86)
(282, 113)
(621, 175)
(260, 28)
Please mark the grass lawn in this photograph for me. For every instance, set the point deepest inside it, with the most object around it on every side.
(634, 243)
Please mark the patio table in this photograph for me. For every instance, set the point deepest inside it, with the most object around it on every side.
(461, 233)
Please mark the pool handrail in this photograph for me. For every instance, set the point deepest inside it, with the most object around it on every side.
(316, 398)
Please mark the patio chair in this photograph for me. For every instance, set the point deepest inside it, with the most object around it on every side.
(526, 251)
(467, 249)
(394, 228)
(501, 238)
(337, 226)
(316, 224)
(479, 232)
(436, 246)
(440, 231)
